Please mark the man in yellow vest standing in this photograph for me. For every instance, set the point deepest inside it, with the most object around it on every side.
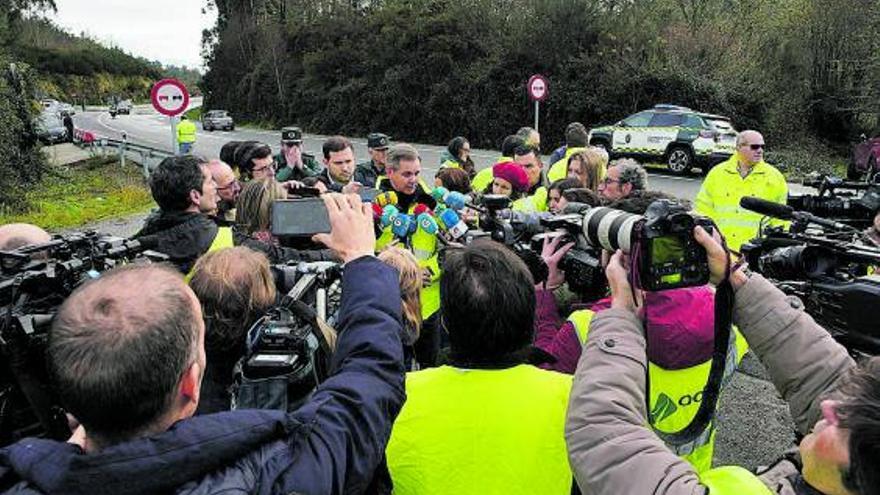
(743, 174)
(186, 135)
(485, 423)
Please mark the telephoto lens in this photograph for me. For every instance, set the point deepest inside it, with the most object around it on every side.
(610, 229)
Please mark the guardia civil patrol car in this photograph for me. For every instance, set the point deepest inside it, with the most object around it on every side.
(677, 136)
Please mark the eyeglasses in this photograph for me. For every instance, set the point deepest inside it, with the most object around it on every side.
(232, 185)
(609, 180)
(272, 166)
(755, 147)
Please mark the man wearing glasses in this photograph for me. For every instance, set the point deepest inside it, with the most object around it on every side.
(624, 176)
(228, 189)
(743, 174)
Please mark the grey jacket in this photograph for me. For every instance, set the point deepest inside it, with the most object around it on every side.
(610, 448)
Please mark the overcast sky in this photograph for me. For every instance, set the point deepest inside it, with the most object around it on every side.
(169, 31)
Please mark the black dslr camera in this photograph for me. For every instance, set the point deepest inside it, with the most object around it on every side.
(662, 242)
(582, 265)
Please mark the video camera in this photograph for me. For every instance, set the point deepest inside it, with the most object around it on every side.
(34, 281)
(287, 353)
(828, 274)
(582, 263)
(852, 203)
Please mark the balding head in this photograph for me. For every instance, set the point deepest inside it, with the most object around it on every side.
(123, 349)
(16, 235)
(750, 147)
(227, 185)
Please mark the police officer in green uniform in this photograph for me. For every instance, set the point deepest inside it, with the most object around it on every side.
(293, 163)
(367, 172)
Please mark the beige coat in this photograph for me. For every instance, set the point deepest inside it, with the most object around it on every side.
(610, 448)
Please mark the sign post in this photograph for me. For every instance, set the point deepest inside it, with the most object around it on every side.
(538, 89)
(170, 97)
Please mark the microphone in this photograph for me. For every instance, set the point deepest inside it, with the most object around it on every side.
(402, 225)
(427, 223)
(377, 212)
(785, 212)
(388, 215)
(385, 199)
(767, 208)
(454, 199)
(453, 224)
(439, 209)
(421, 208)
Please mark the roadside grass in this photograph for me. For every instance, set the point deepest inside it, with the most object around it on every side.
(83, 193)
(194, 114)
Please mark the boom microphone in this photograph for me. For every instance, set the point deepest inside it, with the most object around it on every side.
(785, 212)
(767, 208)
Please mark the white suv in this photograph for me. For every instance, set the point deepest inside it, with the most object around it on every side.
(677, 136)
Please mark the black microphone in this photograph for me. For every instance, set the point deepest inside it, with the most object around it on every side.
(785, 212)
(767, 208)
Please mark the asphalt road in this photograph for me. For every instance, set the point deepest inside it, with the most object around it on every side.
(152, 129)
(754, 425)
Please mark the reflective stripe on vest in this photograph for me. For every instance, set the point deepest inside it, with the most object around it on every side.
(733, 480)
(474, 431)
(222, 240)
(676, 394)
(534, 203)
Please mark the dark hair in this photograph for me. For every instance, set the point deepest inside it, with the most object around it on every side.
(227, 153)
(334, 144)
(637, 202)
(563, 185)
(247, 153)
(576, 135)
(487, 305)
(581, 195)
(455, 179)
(859, 412)
(172, 181)
(455, 145)
(116, 359)
(510, 144)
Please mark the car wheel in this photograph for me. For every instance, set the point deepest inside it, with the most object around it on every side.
(232, 128)
(679, 160)
(207, 128)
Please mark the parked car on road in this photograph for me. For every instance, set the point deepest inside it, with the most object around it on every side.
(124, 106)
(217, 119)
(677, 136)
(865, 160)
(50, 129)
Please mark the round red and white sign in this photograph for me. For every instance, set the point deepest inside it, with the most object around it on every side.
(169, 97)
(538, 87)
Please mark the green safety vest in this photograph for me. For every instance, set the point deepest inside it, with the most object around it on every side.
(722, 190)
(676, 395)
(450, 164)
(464, 431)
(223, 239)
(186, 132)
(424, 247)
(733, 480)
(534, 203)
(559, 168)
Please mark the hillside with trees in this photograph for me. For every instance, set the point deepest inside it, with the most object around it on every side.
(802, 71)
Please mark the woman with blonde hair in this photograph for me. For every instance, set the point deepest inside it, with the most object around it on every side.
(410, 276)
(587, 167)
(253, 211)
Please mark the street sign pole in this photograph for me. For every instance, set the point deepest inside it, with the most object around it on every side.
(174, 146)
(537, 89)
(537, 111)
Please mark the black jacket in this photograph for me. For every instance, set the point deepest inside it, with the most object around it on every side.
(185, 236)
(332, 444)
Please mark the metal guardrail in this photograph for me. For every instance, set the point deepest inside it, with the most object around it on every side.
(146, 156)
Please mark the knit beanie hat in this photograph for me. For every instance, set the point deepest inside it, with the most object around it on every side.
(512, 172)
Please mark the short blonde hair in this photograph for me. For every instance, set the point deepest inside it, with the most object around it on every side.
(253, 210)
(410, 277)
